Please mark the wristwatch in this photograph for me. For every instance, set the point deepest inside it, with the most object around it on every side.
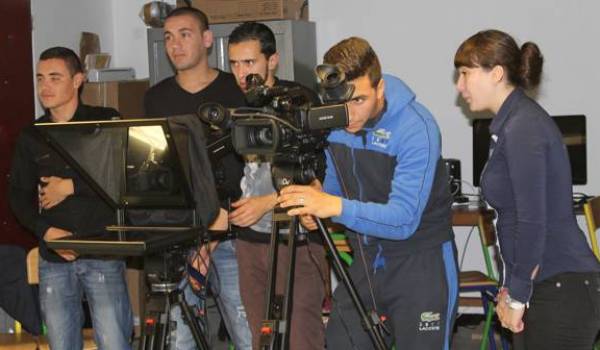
(514, 304)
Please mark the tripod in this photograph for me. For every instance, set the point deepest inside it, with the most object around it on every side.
(165, 293)
(275, 328)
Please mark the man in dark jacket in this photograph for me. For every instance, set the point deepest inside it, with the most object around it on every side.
(51, 200)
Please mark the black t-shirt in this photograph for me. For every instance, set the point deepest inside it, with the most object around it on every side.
(167, 98)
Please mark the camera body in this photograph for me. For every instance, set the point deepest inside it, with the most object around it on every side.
(284, 124)
(278, 131)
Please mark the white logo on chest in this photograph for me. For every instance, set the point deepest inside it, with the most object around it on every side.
(381, 138)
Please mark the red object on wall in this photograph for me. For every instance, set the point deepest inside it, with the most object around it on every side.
(16, 104)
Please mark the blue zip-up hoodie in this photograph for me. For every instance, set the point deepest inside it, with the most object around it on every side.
(391, 175)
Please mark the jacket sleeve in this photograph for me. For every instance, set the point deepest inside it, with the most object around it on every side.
(331, 184)
(417, 151)
(526, 159)
(22, 189)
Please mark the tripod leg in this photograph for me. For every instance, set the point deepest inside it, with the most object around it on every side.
(371, 322)
(190, 320)
(289, 287)
(268, 337)
(156, 323)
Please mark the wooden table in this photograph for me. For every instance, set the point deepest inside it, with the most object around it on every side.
(483, 218)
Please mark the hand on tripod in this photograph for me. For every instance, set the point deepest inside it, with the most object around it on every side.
(247, 211)
(311, 204)
(311, 200)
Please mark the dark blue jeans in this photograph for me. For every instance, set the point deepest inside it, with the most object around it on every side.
(564, 313)
(62, 286)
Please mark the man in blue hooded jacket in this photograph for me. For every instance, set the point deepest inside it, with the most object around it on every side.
(386, 182)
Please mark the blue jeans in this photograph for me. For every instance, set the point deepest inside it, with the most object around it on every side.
(224, 281)
(62, 286)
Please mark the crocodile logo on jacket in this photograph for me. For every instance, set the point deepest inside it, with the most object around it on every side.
(381, 137)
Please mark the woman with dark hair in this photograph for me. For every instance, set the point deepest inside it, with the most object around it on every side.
(547, 264)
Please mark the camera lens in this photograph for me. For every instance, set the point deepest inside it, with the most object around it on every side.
(266, 136)
(262, 136)
(213, 115)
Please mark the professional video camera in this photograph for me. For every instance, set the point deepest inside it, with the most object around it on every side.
(284, 124)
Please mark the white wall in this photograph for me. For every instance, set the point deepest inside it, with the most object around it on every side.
(129, 34)
(60, 23)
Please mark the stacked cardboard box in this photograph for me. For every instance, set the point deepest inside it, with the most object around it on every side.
(226, 11)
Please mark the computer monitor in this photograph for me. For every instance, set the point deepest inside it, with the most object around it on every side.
(573, 131)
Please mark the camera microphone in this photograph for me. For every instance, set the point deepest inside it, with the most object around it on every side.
(254, 80)
(279, 97)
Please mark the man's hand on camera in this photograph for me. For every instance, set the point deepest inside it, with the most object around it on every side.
(221, 223)
(309, 200)
(247, 211)
(54, 191)
(55, 233)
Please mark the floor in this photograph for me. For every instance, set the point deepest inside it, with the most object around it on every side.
(467, 335)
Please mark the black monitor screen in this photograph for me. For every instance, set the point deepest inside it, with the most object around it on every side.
(572, 128)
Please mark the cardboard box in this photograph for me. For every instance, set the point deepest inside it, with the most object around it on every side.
(226, 11)
(125, 96)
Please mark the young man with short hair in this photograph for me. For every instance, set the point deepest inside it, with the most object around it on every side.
(386, 182)
(187, 40)
(252, 50)
(68, 207)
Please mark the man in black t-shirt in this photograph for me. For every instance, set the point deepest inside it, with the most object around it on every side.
(252, 51)
(187, 40)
